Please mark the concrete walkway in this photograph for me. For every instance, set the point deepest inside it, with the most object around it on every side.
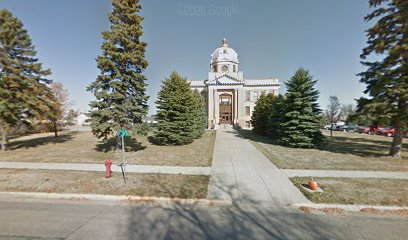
(243, 174)
(101, 168)
(346, 174)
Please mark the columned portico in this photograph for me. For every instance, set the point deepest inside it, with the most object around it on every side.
(230, 98)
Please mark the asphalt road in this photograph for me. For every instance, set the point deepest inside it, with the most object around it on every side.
(33, 218)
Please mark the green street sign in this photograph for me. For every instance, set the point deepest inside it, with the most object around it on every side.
(122, 133)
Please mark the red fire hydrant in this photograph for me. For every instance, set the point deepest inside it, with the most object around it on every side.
(108, 164)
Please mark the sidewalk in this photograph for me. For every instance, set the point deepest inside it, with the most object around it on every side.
(101, 168)
(243, 174)
(345, 174)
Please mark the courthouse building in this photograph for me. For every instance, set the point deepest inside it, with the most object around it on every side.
(230, 98)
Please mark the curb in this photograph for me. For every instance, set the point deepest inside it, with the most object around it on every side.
(112, 198)
(352, 208)
(93, 167)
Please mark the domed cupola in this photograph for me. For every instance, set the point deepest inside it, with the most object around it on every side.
(224, 59)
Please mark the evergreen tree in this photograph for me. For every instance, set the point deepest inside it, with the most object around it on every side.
(387, 78)
(178, 118)
(199, 114)
(120, 89)
(24, 90)
(276, 117)
(302, 114)
(261, 113)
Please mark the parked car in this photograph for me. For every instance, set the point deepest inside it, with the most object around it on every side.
(349, 128)
(363, 129)
(327, 127)
(389, 132)
(376, 130)
(369, 130)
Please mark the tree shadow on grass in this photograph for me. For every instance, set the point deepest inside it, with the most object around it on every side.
(35, 142)
(114, 143)
(362, 147)
(359, 146)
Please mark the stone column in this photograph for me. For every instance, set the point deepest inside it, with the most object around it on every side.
(216, 106)
(241, 106)
(235, 106)
(210, 107)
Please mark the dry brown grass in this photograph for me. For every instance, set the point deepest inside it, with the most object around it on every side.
(83, 147)
(330, 211)
(69, 147)
(197, 154)
(158, 185)
(366, 191)
(343, 151)
(372, 211)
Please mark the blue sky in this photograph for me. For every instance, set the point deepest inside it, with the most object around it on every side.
(273, 38)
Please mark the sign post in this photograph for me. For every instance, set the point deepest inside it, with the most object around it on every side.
(123, 133)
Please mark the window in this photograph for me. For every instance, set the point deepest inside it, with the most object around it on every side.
(235, 68)
(215, 68)
(247, 95)
(248, 124)
(225, 100)
(263, 93)
(248, 110)
(256, 96)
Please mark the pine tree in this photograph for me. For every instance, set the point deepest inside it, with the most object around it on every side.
(120, 89)
(302, 114)
(387, 79)
(276, 117)
(24, 88)
(261, 114)
(199, 114)
(177, 116)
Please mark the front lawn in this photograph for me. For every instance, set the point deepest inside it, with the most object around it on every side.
(83, 147)
(197, 154)
(343, 151)
(69, 147)
(365, 191)
(157, 185)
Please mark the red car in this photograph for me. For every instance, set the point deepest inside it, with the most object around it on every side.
(389, 132)
(363, 129)
(370, 130)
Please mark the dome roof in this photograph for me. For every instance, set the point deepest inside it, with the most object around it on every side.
(224, 54)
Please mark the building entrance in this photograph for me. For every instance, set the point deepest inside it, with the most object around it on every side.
(226, 109)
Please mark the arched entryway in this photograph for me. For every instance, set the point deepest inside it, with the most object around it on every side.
(226, 108)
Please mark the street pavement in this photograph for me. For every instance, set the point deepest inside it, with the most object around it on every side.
(32, 218)
(241, 173)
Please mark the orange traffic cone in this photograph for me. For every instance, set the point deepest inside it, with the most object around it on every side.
(313, 185)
